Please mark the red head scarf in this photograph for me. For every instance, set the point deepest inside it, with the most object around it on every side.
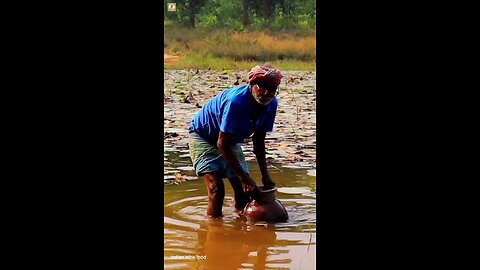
(267, 76)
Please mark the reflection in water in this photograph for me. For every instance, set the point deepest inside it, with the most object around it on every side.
(233, 248)
(216, 245)
(193, 241)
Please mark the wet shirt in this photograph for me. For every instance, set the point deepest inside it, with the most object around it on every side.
(234, 112)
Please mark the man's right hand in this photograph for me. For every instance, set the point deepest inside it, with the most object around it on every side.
(224, 145)
(248, 185)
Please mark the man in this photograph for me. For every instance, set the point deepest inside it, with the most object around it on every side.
(223, 123)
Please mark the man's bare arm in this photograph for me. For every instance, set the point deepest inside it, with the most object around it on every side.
(225, 146)
(259, 151)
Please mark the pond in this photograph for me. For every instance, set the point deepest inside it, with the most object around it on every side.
(193, 241)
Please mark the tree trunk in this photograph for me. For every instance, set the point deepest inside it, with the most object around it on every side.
(192, 20)
(245, 17)
(266, 9)
(191, 14)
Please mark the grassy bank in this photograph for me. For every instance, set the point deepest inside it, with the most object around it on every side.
(219, 49)
(196, 61)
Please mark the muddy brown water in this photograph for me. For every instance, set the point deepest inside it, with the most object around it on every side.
(193, 241)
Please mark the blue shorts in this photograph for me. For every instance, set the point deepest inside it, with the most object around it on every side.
(206, 158)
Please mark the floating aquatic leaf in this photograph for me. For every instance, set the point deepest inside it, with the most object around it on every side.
(174, 130)
(292, 167)
(171, 171)
(302, 164)
(293, 190)
(279, 153)
(185, 168)
(178, 177)
(283, 147)
(293, 158)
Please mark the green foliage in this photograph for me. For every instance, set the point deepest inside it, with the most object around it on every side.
(242, 15)
(234, 34)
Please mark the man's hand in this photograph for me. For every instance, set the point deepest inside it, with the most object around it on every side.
(248, 185)
(224, 145)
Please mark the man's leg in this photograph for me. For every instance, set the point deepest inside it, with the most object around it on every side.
(240, 198)
(216, 194)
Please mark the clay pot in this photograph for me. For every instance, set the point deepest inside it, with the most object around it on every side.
(266, 207)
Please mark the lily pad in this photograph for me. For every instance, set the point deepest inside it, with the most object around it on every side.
(293, 190)
(174, 130)
(171, 171)
(185, 168)
(293, 167)
(312, 173)
(302, 164)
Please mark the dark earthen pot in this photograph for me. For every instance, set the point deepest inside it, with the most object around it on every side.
(266, 207)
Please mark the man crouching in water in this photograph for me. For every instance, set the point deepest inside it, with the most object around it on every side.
(221, 125)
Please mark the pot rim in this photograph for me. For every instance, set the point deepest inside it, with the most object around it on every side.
(263, 190)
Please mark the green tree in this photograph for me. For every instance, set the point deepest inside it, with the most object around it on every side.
(187, 11)
(222, 14)
(244, 14)
(193, 7)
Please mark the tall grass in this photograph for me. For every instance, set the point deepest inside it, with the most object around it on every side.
(197, 61)
(240, 46)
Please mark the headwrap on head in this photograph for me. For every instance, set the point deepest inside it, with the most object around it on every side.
(267, 76)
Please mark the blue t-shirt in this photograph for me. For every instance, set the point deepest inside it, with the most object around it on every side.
(233, 112)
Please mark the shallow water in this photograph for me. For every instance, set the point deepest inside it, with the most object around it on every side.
(193, 241)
